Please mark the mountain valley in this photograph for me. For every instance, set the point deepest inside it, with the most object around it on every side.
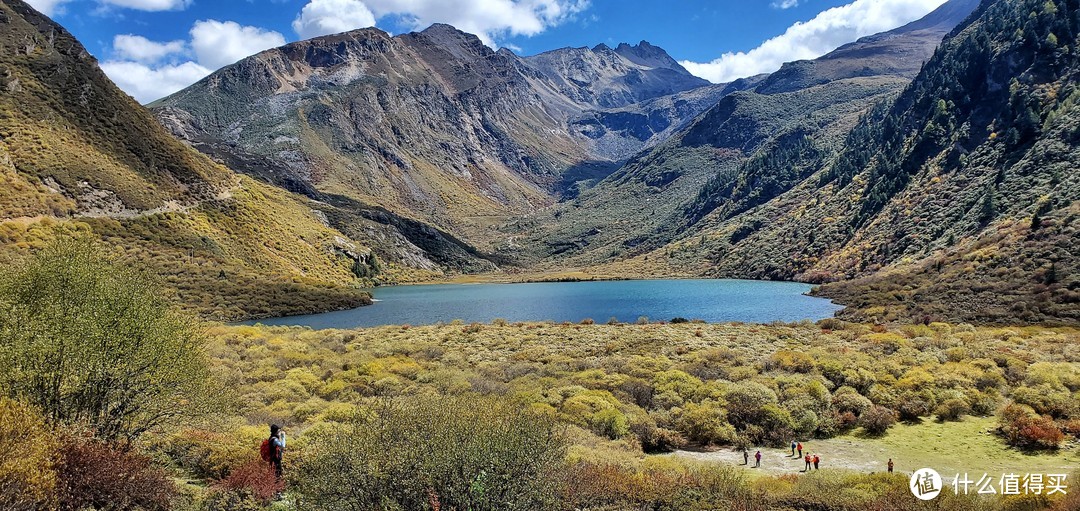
(427, 155)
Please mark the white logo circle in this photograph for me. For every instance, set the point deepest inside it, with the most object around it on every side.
(925, 484)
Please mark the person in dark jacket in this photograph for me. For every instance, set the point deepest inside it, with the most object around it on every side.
(277, 448)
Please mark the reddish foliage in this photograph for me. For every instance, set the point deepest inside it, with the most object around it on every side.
(1071, 426)
(93, 474)
(255, 477)
(847, 420)
(1023, 428)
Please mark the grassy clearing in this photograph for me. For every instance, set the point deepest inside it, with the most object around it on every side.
(949, 447)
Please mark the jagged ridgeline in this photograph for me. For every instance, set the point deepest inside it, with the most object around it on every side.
(77, 155)
(434, 126)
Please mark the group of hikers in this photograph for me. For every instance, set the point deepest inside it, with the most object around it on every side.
(813, 461)
(273, 447)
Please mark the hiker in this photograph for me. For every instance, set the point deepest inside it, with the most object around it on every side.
(745, 457)
(799, 447)
(757, 459)
(890, 465)
(793, 448)
(808, 461)
(817, 460)
(272, 448)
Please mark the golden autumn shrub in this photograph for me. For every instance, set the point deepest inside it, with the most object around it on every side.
(27, 458)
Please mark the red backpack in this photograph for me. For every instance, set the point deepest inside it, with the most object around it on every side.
(265, 450)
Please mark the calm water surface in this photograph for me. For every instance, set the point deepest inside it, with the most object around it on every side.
(659, 300)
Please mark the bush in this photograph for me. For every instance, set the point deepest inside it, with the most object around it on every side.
(847, 399)
(790, 361)
(746, 401)
(92, 342)
(97, 475)
(952, 410)
(1023, 428)
(462, 452)
(706, 422)
(211, 455)
(256, 479)
(673, 485)
(914, 404)
(27, 458)
(877, 420)
(219, 498)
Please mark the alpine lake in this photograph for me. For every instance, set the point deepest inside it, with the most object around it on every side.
(713, 301)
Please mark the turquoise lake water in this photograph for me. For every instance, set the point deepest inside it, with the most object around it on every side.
(659, 300)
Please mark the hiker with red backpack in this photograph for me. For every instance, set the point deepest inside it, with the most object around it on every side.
(272, 448)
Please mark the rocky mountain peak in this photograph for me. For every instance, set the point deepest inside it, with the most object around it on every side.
(612, 78)
(332, 50)
(461, 44)
(647, 55)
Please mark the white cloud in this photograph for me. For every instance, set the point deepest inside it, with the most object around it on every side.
(146, 82)
(141, 49)
(218, 43)
(150, 70)
(150, 5)
(488, 19)
(785, 4)
(48, 7)
(827, 31)
(323, 17)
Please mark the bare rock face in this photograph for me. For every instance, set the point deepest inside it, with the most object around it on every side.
(613, 78)
(434, 124)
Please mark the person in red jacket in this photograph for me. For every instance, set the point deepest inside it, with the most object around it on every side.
(808, 461)
(817, 459)
(799, 447)
(757, 459)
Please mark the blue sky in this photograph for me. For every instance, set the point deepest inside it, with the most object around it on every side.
(152, 48)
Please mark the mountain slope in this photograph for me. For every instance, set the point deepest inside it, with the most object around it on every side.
(898, 52)
(433, 126)
(79, 156)
(930, 204)
(752, 146)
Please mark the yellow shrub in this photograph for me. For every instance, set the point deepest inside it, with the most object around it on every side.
(27, 458)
